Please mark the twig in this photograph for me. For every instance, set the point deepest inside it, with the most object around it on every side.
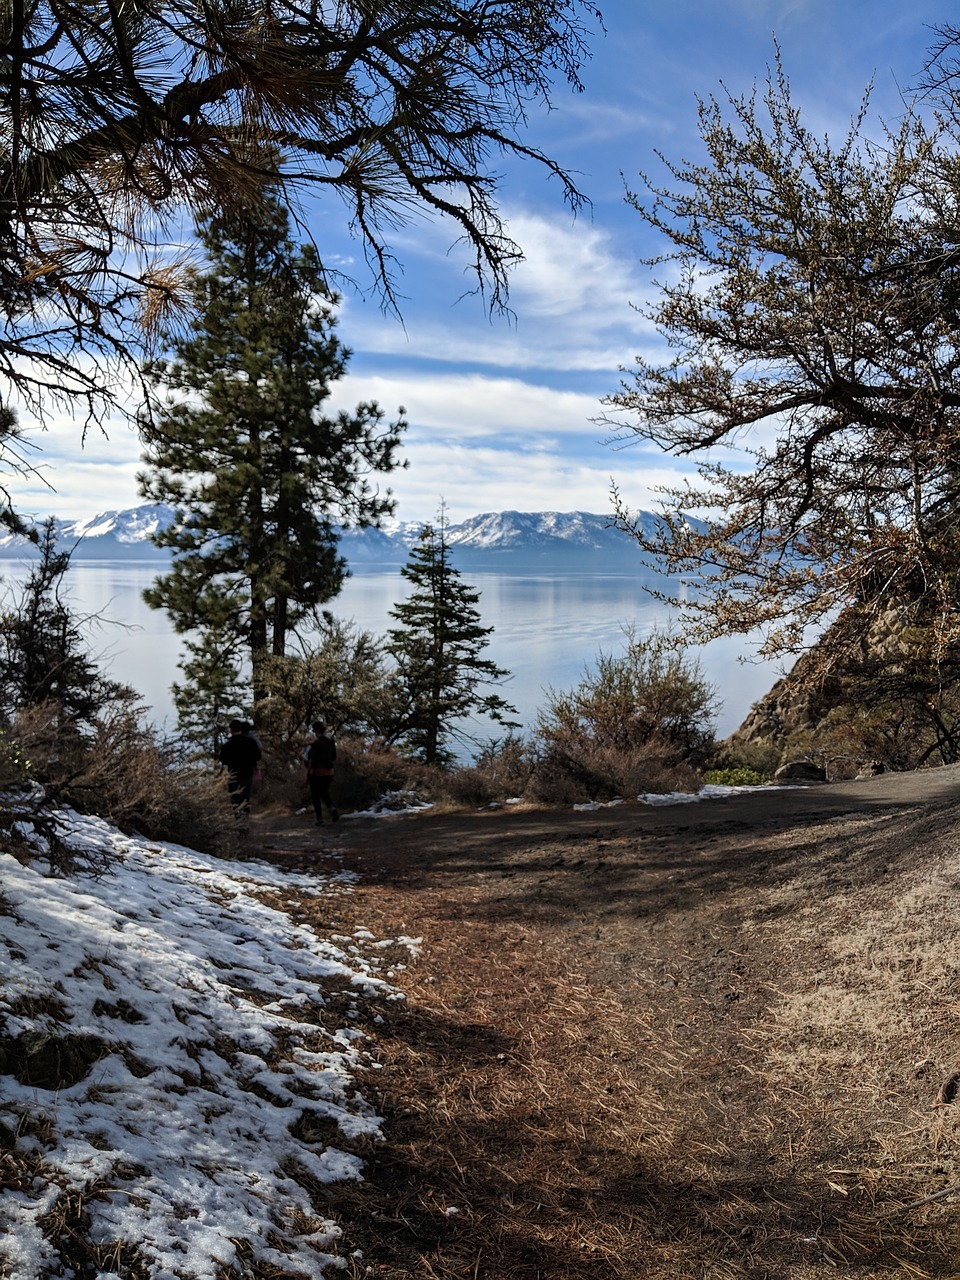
(915, 1204)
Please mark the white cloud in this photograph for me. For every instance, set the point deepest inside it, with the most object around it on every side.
(76, 473)
(471, 406)
(472, 477)
(573, 272)
(574, 300)
(481, 443)
(79, 490)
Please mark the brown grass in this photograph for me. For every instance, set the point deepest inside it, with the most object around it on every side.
(660, 1055)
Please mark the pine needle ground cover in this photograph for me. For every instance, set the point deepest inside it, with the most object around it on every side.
(706, 1042)
(692, 1042)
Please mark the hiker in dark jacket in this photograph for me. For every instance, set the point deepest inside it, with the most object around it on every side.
(321, 754)
(240, 755)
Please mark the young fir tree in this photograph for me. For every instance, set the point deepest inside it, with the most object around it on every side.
(211, 691)
(437, 650)
(241, 448)
(44, 657)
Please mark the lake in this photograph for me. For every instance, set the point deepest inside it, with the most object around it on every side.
(547, 628)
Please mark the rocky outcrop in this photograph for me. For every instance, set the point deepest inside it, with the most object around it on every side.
(824, 680)
(797, 703)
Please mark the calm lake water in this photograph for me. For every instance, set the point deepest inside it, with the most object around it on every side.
(547, 628)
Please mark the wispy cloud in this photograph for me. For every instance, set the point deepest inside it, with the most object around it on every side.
(574, 301)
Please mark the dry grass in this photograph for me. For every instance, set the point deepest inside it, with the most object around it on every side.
(666, 1057)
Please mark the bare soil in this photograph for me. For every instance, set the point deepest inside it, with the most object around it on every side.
(708, 1041)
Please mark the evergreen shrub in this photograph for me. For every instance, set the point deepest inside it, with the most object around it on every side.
(762, 758)
(734, 778)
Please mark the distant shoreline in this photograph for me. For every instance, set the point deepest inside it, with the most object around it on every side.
(508, 542)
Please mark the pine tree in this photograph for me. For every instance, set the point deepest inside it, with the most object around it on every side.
(212, 692)
(118, 117)
(44, 658)
(240, 446)
(437, 650)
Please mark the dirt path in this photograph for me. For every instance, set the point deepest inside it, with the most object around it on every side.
(695, 1041)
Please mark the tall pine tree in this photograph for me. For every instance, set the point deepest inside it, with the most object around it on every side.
(238, 443)
(437, 648)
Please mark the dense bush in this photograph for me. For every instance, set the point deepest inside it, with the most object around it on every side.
(760, 758)
(502, 771)
(341, 679)
(637, 722)
(734, 778)
(597, 771)
(365, 772)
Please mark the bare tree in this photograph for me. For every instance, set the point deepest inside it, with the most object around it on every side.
(117, 116)
(811, 308)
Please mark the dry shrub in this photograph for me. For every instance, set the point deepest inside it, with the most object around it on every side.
(576, 772)
(890, 733)
(119, 770)
(28, 827)
(469, 788)
(637, 722)
(367, 772)
(364, 773)
(502, 771)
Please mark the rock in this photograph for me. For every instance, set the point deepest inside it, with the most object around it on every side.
(872, 769)
(825, 686)
(800, 771)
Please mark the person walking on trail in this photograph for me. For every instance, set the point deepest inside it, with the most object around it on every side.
(240, 755)
(321, 754)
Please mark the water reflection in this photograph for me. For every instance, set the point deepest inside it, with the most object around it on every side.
(547, 628)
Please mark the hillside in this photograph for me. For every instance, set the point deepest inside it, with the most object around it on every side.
(715, 1040)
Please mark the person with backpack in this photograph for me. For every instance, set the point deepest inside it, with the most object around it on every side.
(320, 756)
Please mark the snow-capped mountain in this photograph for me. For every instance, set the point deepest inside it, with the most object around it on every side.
(495, 539)
(135, 525)
(112, 535)
(499, 537)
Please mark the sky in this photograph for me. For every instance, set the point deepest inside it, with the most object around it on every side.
(503, 411)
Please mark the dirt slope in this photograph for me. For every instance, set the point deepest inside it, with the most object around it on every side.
(714, 1040)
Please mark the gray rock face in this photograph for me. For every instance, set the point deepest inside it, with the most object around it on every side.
(800, 771)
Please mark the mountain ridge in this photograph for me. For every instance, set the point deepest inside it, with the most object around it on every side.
(493, 537)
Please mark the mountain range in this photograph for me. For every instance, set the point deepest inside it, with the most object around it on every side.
(497, 540)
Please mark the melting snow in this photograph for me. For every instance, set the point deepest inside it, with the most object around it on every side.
(713, 791)
(217, 1063)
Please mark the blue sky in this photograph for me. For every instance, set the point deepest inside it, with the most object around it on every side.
(501, 410)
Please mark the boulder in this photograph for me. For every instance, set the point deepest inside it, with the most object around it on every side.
(800, 771)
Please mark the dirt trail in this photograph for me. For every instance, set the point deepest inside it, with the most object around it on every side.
(687, 1041)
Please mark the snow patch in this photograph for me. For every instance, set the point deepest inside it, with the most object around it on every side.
(224, 1071)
